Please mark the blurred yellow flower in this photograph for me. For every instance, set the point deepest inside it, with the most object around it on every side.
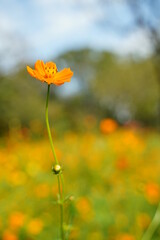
(18, 178)
(35, 226)
(42, 190)
(108, 125)
(143, 220)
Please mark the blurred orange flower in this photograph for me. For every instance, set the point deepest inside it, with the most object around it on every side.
(84, 208)
(16, 220)
(125, 236)
(7, 235)
(152, 193)
(122, 163)
(48, 72)
(108, 125)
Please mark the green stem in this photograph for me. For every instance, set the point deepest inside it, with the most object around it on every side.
(153, 226)
(61, 208)
(59, 176)
(62, 198)
(48, 127)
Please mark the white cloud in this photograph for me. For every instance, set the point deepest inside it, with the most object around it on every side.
(136, 42)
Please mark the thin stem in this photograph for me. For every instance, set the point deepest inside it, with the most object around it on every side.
(48, 127)
(62, 198)
(61, 208)
(59, 176)
(153, 226)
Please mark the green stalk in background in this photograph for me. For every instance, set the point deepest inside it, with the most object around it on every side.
(153, 226)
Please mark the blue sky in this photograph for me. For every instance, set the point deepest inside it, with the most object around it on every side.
(43, 29)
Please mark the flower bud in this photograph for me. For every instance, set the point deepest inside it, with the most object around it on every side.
(56, 169)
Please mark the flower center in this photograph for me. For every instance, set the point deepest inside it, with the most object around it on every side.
(50, 71)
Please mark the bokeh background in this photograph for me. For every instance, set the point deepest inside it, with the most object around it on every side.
(105, 122)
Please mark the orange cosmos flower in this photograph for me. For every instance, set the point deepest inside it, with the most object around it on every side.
(152, 193)
(48, 72)
(108, 125)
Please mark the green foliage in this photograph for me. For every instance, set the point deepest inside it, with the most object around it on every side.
(126, 89)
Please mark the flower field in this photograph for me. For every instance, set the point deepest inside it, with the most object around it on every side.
(112, 175)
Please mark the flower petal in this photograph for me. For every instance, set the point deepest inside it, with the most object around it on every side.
(39, 66)
(31, 71)
(39, 76)
(63, 76)
(34, 74)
